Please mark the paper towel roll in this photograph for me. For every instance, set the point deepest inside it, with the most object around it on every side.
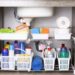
(63, 22)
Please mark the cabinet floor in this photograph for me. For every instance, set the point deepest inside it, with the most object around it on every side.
(36, 73)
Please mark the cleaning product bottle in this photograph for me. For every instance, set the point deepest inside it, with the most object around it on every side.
(11, 50)
(16, 47)
(37, 63)
(11, 57)
(63, 51)
(50, 55)
(22, 47)
(7, 45)
(49, 51)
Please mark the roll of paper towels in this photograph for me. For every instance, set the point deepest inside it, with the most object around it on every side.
(63, 22)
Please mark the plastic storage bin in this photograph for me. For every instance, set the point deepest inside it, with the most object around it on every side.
(62, 34)
(13, 36)
(64, 63)
(39, 33)
(24, 63)
(7, 63)
(40, 36)
(49, 63)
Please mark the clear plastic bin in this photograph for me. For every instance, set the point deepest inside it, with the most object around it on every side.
(7, 63)
(24, 63)
(49, 63)
(64, 63)
(40, 36)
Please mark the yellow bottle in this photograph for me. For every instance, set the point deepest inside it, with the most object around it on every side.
(7, 45)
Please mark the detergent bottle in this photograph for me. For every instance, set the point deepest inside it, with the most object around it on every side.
(64, 53)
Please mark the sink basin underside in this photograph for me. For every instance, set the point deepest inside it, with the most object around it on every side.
(37, 3)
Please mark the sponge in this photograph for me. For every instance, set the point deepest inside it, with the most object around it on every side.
(35, 31)
(44, 30)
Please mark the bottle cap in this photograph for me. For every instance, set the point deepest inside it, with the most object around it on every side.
(16, 41)
(62, 45)
(49, 49)
(7, 43)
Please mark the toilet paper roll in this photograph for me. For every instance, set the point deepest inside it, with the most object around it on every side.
(63, 22)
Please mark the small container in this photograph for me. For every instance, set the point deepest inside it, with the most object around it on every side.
(35, 31)
(44, 30)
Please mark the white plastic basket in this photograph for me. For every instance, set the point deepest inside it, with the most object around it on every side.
(13, 36)
(62, 34)
(7, 63)
(49, 63)
(64, 63)
(40, 36)
(24, 63)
